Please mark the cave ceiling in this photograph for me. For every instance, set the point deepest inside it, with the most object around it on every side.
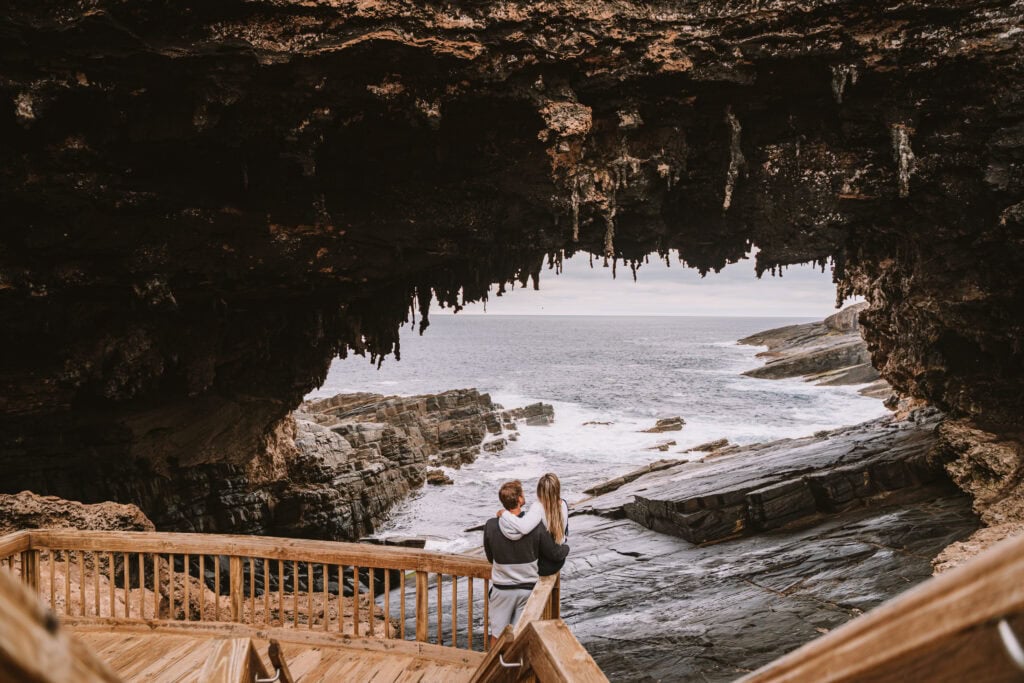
(203, 203)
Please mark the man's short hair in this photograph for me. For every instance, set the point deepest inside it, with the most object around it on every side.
(509, 494)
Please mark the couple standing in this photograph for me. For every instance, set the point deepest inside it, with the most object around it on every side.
(523, 546)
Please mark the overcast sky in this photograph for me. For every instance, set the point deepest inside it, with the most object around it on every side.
(659, 290)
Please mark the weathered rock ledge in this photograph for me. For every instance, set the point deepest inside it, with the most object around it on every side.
(750, 552)
(27, 510)
(768, 486)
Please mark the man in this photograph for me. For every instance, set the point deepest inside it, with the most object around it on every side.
(514, 563)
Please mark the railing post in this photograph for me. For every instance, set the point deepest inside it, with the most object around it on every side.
(30, 568)
(235, 585)
(421, 606)
(555, 604)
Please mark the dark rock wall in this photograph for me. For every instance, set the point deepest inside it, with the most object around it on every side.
(202, 204)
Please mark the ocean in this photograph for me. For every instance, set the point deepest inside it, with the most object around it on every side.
(628, 371)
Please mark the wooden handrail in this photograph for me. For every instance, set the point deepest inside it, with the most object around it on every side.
(329, 552)
(538, 606)
(17, 542)
(553, 655)
(941, 630)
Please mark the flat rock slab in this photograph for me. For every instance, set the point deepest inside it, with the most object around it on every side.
(651, 607)
(768, 486)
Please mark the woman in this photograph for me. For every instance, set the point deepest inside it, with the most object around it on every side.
(550, 509)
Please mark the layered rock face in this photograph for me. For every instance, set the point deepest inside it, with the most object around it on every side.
(829, 352)
(204, 203)
(360, 454)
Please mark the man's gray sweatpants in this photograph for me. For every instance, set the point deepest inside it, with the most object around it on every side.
(506, 606)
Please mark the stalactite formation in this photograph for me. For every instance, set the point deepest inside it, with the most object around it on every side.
(203, 206)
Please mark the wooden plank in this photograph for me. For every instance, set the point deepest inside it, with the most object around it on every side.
(537, 603)
(235, 587)
(555, 610)
(216, 587)
(555, 656)
(469, 619)
(422, 605)
(455, 618)
(295, 593)
(67, 582)
(34, 648)
(14, 543)
(142, 587)
(309, 591)
(401, 609)
(440, 611)
(360, 554)
(266, 591)
(30, 569)
(252, 589)
(127, 566)
(355, 601)
(110, 572)
(52, 563)
(156, 586)
(234, 661)
(170, 586)
(327, 597)
(96, 581)
(202, 584)
(921, 624)
(187, 602)
(280, 591)
(487, 605)
(387, 604)
(81, 583)
(277, 660)
(370, 611)
(285, 635)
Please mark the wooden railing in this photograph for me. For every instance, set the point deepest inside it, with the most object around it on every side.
(353, 589)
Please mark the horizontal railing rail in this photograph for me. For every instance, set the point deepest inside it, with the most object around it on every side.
(348, 588)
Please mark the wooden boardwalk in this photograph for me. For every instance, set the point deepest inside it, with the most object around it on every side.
(95, 606)
(173, 658)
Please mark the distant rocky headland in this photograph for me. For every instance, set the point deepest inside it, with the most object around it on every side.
(828, 352)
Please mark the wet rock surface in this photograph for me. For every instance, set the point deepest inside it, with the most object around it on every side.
(667, 424)
(754, 488)
(653, 607)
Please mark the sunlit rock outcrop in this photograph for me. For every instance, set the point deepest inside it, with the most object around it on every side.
(203, 204)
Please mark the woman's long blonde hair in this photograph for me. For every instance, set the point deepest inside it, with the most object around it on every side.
(549, 493)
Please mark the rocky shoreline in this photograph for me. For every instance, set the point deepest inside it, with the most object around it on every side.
(709, 567)
(829, 352)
